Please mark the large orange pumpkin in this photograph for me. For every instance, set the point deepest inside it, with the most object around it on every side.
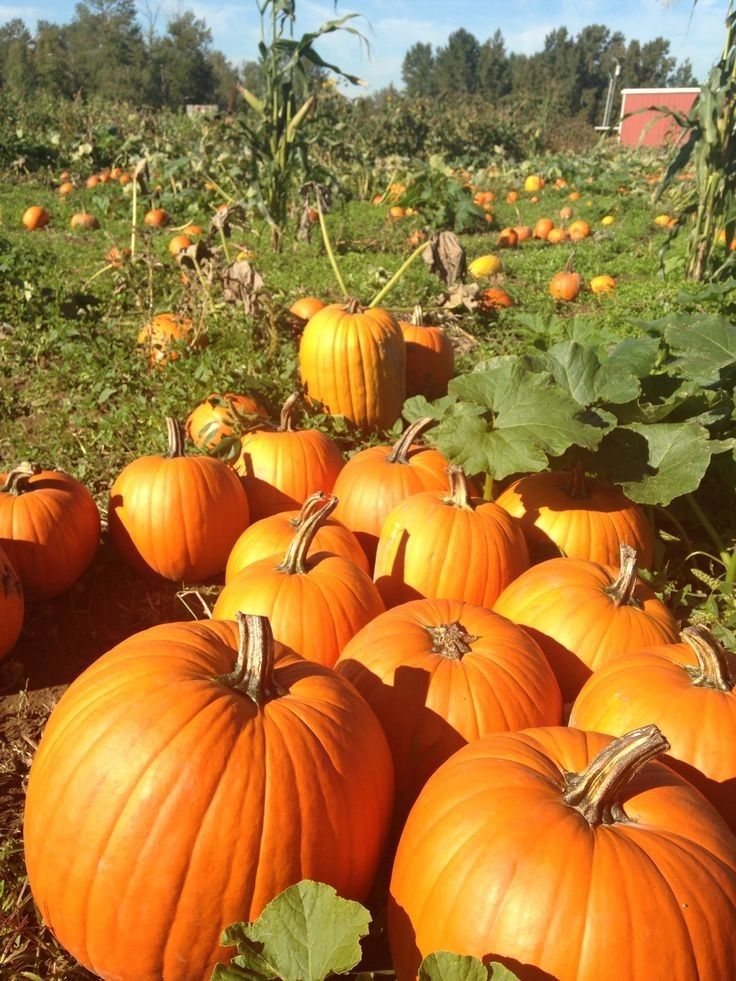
(449, 546)
(581, 517)
(567, 856)
(352, 362)
(219, 416)
(280, 468)
(11, 606)
(315, 604)
(565, 286)
(430, 358)
(376, 479)
(441, 673)
(272, 536)
(172, 795)
(583, 614)
(49, 528)
(688, 690)
(177, 516)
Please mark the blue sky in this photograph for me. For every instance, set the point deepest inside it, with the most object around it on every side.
(392, 26)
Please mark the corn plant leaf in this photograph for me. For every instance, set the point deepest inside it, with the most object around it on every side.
(305, 934)
(446, 966)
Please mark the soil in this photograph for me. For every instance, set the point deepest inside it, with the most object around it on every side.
(60, 639)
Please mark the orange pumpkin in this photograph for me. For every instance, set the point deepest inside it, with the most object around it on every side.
(543, 227)
(494, 298)
(583, 614)
(182, 750)
(376, 479)
(49, 529)
(315, 604)
(84, 220)
(219, 416)
(66, 188)
(156, 217)
(508, 239)
(565, 286)
(441, 673)
(578, 516)
(177, 516)
(353, 362)
(11, 606)
(305, 307)
(602, 284)
(557, 235)
(177, 243)
(430, 358)
(280, 468)
(523, 232)
(686, 689)
(272, 536)
(579, 229)
(448, 546)
(162, 337)
(35, 217)
(566, 855)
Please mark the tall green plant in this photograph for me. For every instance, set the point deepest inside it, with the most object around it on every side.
(275, 124)
(709, 150)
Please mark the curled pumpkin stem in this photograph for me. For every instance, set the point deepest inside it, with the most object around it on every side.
(400, 451)
(175, 435)
(622, 589)
(17, 479)
(286, 421)
(313, 503)
(459, 488)
(295, 560)
(715, 663)
(253, 674)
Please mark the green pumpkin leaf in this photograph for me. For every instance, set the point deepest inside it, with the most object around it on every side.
(703, 348)
(305, 934)
(446, 966)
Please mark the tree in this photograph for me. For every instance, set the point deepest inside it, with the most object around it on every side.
(17, 68)
(106, 51)
(494, 75)
(456, 65)
(418, 72)
(182, 71)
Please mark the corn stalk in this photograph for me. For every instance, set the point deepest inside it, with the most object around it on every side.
(274, 127)
(709, 150)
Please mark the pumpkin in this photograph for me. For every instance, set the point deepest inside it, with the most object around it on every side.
(92, 181)
(430, 358)
(35, 217)
(156, 804)
(687, 689)
(533, 183)
(49, 529)
(177, 243)
(280, 468)
(566, 213)
(161, 337)
(315, 604)
(448, 546)
(156, 217)
(84, 220)
(508, 239)
(376, 479)
(584, 614)
(574, 196)
(565, 286)
(557, 235)
(66, 188)
(219, 416)
(494, 298)
(608, 220)
(305, 307)
(602, 284)
(11, 605)
(272, 535)
(523, 232)
(485, 266)
(192, 230)
(566, 855)
(441, 673)
(177, 516)
(352, 362)
(579, 229)
(578, 516)
(512, 197)
(542, 228)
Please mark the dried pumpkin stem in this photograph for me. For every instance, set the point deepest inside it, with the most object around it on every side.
(17, 479)
(313, 503)
(459, 488)
(352, 306)
(714, 669)
(622, 589)
(253, 674)
(175, 434)
(450, 640)
(597, 792)
(295, 560)
(417, 316)
(400, 451)
(286, 421)
(578, 488)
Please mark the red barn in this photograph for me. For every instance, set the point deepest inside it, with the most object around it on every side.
(652, 128)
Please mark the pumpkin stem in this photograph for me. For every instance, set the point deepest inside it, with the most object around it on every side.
(286, 420)
(597, 791)
(313, 502)
(295, 560)
(253, 672)
(17, 479)
(714, 669)
(577, 488)
(175, 434)
(450, 640)
(622, 589)
(417, 316)
(459, 488)
(400, 451)
(352, 306)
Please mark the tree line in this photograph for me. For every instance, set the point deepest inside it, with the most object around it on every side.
(105, 51)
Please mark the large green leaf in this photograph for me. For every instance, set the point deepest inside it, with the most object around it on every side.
(446, 966)
(702, 348)
(305, 934)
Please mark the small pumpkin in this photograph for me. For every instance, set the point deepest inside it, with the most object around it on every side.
(485, 266)
(557, 236)
(177, 243)
(156, 217)
(508, 238)
(430, 358)
(49, 529)
(177, 516)
(281, 467)
(11, 605)
(315, 603)
(565, 286)
(84, 220)
(218, 417)
(542, 228)
(35, 218)
(305, 307)
(494, 298)
(523, 232)
(533, 183)
(602, 284)
(579, 230)
(584, 614)
(162, 337)
(66, 188)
